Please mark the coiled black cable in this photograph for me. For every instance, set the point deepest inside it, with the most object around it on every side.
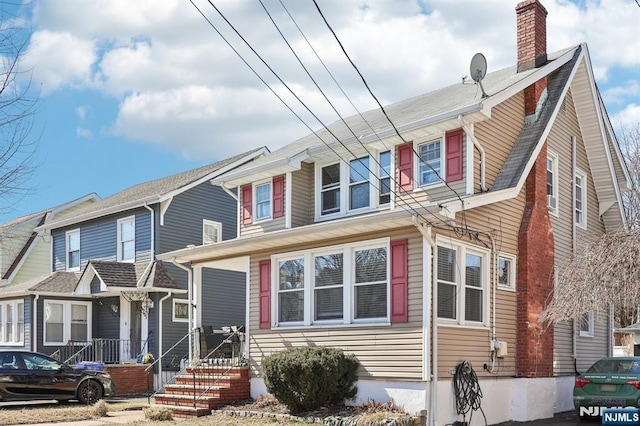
(467, 390)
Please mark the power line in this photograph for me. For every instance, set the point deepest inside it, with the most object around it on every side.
(378, 102)
(294, 94)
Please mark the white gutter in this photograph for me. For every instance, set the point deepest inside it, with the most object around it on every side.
(469, 132)
(160, 337)
(227, 190)
(189, 298)
(430, 298)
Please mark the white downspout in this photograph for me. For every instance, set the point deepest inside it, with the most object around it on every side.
(432, 404)
(479, 147)
(160, 339)
(190, 299)
(34, 331)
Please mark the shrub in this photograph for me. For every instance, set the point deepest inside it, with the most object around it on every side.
(305, 379)
(101, 408)
(158, 414)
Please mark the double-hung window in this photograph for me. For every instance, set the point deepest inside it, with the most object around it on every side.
(552, 182)
(587, 325)
(211, 232)
(263, 201)
(506, 271)
(336, 285)
(355, 185)
(66, 320)
(12, 322)
(430, 162)
(73, 250)
(580, 201)
(462, 280)
(127, 239)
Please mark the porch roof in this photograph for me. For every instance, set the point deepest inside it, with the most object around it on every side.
(226, 251)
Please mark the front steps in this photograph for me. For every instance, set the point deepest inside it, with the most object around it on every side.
(199, 390)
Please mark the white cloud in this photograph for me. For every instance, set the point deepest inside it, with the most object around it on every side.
(82, 111)
(59, 59)
(627, 117)
(178, 85)
(84, 133)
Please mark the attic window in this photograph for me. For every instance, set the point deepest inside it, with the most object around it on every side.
(211, 232)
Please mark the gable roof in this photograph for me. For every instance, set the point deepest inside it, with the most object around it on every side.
(118, 276)
(42, 218)
(57, 282)
(155, 191)
(414, 117)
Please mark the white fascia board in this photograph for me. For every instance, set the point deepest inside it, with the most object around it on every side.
(246, 175)
(449, 209)
(498, 98)
(99, 213)
(71, 204)
(169, 195)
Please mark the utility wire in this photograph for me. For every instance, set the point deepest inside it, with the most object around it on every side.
(378, 102)
(372, 156)
(291, 91)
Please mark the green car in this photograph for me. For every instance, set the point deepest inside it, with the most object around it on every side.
(610, 382)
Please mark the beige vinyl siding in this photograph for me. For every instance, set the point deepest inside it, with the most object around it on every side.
(385, 352)
(302, 197)
(13, 240)
(457, 343)
(559, 142)
(497, 137)
(71, 212)
(37, 263)
(264, 225)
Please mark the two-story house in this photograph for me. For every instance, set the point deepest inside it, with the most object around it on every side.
(431, 233)
(105, 285)
(24, 265)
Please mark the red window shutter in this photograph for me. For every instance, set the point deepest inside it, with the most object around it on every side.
(454, 155)
(278, 196)
(399, 281)
(247, 204)
(404, 156)
(265, 293)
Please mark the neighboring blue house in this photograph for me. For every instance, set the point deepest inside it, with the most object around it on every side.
(105, 285)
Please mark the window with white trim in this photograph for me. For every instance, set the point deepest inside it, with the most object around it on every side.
(506, 271)
(180, 310)
(359, 184)
(262, 201)
(587, 325)
(552, 182)
(333, 285)
(462, 279)
(430, 161)
(72, 239)
(12, 322)
(580, 201)
(127, 239)
(211, 231)
(66, 320)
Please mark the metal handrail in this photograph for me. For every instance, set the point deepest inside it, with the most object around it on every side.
(237, 332)
(167, 352)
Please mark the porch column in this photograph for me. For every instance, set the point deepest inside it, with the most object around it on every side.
(196, 308)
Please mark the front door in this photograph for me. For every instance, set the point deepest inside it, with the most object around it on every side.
(135, 330)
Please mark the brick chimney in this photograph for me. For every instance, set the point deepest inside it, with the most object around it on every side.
(532, 51)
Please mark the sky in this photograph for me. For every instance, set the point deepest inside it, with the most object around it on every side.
(131, 91)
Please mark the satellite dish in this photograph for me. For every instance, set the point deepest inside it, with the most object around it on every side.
(478, 70)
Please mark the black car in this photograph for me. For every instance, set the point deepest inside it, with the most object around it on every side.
(28, 376)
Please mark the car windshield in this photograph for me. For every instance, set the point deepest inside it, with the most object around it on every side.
(625, 366)
(38, 362)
